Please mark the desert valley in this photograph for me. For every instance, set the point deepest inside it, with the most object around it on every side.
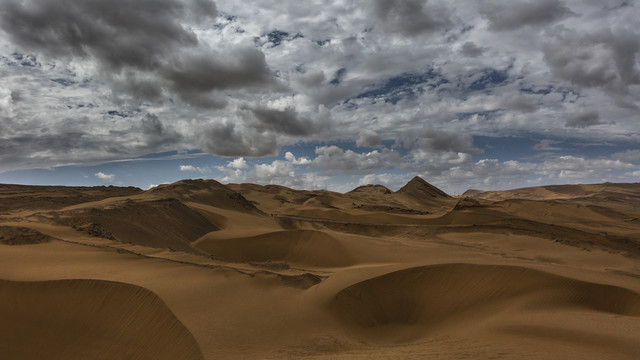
(201, 270)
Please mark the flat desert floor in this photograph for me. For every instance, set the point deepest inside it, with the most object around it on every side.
(201, 270)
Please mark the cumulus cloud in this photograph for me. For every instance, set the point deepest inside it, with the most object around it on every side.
(333, 157)
(6, 102)
(278, 172)
(239, 163)
(629, 156)
(108, 178)
(368, 139)
(187, 168)
(504, 15)
(191, 168)
(296, 161)
(492, 174)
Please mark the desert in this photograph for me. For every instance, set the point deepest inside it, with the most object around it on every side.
(201, 270)
(320, 179)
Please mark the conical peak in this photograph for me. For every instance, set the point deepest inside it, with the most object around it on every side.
(418, 186)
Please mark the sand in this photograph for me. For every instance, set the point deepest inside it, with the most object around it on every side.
(198, 269)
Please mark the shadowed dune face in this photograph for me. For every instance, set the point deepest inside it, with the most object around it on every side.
(431, 295)
(303, 247)
(89, 319)
(164, 223)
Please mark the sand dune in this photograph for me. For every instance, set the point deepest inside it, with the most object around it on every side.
(163, 223)
(204, 191)
(430, 295)
(23, 197)
(198, 269)
(89, 319)
(300, 247)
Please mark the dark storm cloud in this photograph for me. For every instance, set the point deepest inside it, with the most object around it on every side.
(231, 140)
(519, 103)
(282, 122)
(48, 149)
(156, 133)
(469, 49)
(437, 140)
(411, 17)
(433, 140)
(141, 47)
(602, 58)
(504, 15)
(583, 119)
(192, 74)
(117, 32)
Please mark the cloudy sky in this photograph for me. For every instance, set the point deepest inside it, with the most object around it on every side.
(488, 94)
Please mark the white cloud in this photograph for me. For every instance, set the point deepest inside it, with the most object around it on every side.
(391, 181)
(108, 178)
(187, 168)
(279, 172)
(333, 157)
(151, 186)
(629, 156)
(191, 168)
(296, 161)
(239, 163)
(546, 145)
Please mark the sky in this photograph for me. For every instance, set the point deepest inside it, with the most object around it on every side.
(319, 94)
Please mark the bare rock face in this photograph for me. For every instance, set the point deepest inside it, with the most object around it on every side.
(15, 235)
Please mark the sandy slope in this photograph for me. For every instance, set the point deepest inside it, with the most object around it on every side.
(242, 271)
(89, 319)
